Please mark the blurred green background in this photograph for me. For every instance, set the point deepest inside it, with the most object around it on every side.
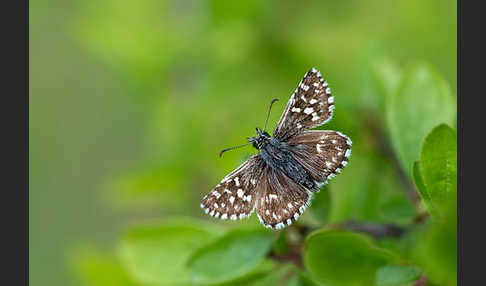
(131, 101)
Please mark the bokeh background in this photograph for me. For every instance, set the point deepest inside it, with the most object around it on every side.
(131, 101)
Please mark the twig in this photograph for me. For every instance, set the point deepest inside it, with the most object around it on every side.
(377, 231)
(293, 256)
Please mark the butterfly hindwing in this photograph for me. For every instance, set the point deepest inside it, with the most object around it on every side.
(323, 153)
(234, 197)
(281, 200)
(311, 105)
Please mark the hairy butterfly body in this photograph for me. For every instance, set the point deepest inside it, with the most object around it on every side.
(282, 178)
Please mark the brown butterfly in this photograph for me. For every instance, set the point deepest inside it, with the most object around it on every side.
(290, 167)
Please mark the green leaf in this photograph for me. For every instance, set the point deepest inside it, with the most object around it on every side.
(391, 275)
(231, 256)
(436, 248)
(258, 274)
(422, 190)
(96, 268)
(423, 100)
(438, 165)
(278, 276)
(306, 279)
(332, 255)
(157, 254)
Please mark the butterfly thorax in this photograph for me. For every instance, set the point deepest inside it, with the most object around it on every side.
(276, 154)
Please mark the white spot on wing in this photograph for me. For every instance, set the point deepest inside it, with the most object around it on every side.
(295, 109)
(308, 110)
(348, 153)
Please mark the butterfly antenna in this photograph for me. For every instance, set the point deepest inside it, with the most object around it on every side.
(224, 150)
(268, 115)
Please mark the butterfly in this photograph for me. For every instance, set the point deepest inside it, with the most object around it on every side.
(290, 167)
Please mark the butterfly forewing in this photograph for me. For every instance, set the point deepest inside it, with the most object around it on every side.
(281, 200)
(311, 105)
(323, 153)
(234, 197)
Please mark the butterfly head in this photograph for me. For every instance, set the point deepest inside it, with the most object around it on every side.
(259, 140)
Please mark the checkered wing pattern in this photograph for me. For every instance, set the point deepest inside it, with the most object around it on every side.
(323, 153)
(281, 200)
(311, 105)
(234, 197)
